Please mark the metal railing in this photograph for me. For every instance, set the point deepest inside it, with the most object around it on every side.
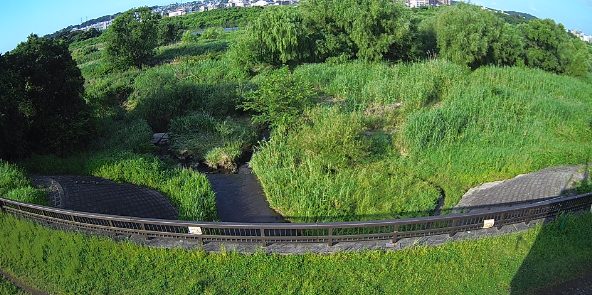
(330, 233)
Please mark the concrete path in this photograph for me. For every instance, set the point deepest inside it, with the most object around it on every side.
(537, 186)
(97, 195)
(240, 198)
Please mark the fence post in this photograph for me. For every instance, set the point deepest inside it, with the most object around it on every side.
(262, 237)
(330, 239)
(395, 234)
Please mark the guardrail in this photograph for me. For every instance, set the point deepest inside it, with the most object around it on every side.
(330, 233)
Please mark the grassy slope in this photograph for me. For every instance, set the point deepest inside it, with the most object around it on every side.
(422, 126)
(68, 263)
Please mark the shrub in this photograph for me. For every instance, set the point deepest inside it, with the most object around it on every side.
(131, 38)
(279, 99)
(212, 33)
(219, 142)
(158, 102)
(189, 37)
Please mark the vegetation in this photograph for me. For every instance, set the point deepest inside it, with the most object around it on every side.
(377, 30)
(219, 142)
(8, 288)
(375, 111)
(41, 106)
(132, 37)
(15, 185)
(67, 263)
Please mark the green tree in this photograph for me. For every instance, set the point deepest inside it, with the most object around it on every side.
(577, 58)
(466, 34)
(544, 41)
(368, 30)
(14, 111)
(132, 37)
(508, 49)
(169, 32)
(50, 87)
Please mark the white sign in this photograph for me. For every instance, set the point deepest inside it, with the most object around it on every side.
(488, 223)
(195, 230)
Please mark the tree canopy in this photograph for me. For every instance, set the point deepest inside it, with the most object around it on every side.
(132, 37)
(42, 108)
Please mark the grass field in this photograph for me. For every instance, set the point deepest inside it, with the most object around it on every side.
(519, 263)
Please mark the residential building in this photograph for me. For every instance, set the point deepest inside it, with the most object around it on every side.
(178, 12)
(420, 3)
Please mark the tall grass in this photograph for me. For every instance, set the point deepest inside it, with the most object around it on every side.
(15, 185)
(335, 168)
(71, 263)
(425, 126)
(218, 141)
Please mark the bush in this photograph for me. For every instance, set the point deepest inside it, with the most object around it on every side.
(158, 102)
(212, 33)
(219, 142)
(279, 98)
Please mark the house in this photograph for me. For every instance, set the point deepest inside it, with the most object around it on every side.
(178, 12)
(420, 3)
(260, 3)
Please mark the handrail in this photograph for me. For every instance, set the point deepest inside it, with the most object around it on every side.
(330, 232)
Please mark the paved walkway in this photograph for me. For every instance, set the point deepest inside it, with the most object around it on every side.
(97, 195)
(527, 188)
(240, 198)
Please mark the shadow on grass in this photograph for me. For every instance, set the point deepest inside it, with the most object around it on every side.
(560, 260)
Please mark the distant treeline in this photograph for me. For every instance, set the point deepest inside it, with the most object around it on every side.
(382, 30)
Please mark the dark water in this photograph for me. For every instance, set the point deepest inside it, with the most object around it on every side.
(240, 198)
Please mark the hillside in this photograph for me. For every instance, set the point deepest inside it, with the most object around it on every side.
(369, 141)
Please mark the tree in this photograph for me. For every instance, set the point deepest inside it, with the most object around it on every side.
(13, 114)
(169, 32)
(46, 88)
(368, 30)
(543, 41)
(508, 49)
(132, 37)
(466, 34)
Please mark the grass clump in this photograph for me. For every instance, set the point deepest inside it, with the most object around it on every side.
(220, 142)
(15, 185)
(71, 263)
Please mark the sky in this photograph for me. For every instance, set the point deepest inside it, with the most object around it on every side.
(573, 14)
(21, 18)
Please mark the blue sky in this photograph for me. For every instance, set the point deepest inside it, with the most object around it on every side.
(21, 18)
(573, 14)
